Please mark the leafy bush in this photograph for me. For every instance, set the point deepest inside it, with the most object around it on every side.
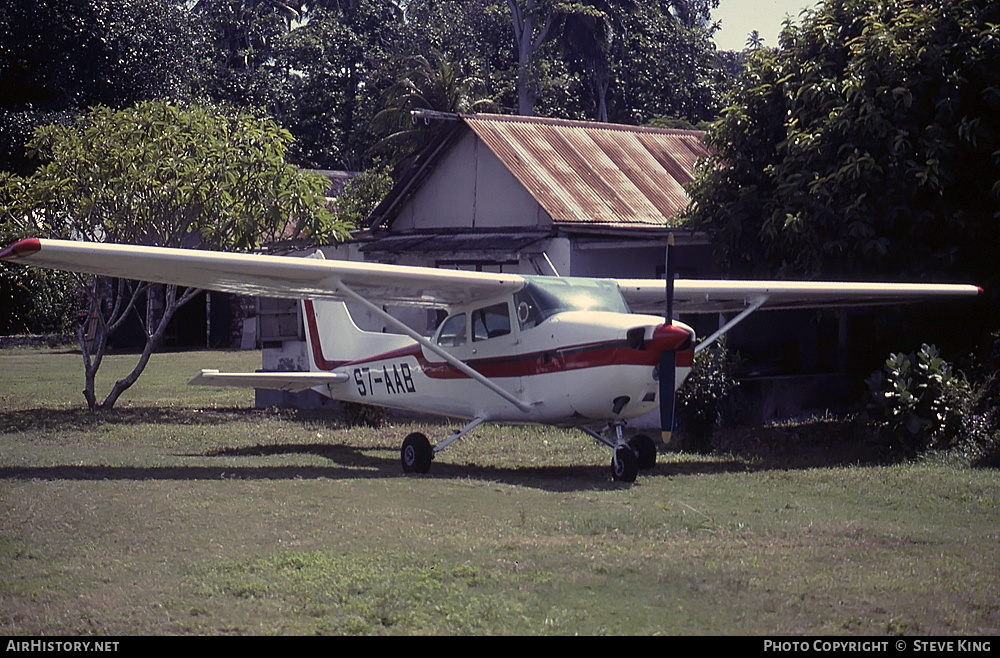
(919, 402)
(706, 399)
(979, 443)
(35, 301)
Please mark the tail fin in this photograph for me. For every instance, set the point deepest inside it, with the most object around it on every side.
(333, 338)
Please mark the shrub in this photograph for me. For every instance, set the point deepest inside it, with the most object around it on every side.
(918, 402)
(706, 399)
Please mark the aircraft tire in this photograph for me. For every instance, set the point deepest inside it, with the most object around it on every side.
(624, 464)
(416, 453)
(645, 451)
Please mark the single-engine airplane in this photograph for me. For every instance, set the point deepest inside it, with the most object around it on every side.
(563, 351)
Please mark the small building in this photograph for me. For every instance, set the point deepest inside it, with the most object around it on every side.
(533, 195)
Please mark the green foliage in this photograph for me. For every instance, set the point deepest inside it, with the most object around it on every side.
(617, 61)
(362, 194)
(162, 175)
(980, 441)
(428, 83)
(58, 57)
(37, 302)
(320, 69)
(918, 401)
(663, 66)
(706, 399)
(324, 79)
(867, 145)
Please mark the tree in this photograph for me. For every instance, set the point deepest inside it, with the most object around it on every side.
(663, 46)
(59, 57)
(588, 38)
(429, 83)
(866, 146)
(755, 41)
(32, 301)
(532, 21)
(664, 67)
(161, 175)
(242, 36)
(334, 70)
(362, 194)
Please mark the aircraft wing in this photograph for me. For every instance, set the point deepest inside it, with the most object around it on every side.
(708, 296)
(297, 277)
(278, 381)
(256, 274)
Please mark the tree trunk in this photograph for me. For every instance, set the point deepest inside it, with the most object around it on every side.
(527, 42)
(106, 314)
(153, 339)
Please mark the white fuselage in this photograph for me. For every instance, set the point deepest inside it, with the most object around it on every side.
(570, 368)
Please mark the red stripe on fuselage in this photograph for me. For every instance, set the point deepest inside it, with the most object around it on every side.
(577, 357)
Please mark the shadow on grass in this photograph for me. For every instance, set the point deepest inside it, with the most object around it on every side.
(819, 444)
(79, 418)
(353, 463)
(357, 463)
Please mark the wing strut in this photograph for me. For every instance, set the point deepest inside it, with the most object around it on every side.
(756, 304)
(458, 363)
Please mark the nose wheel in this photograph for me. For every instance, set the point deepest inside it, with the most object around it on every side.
(624, 464)
(627, 457)
(645, 451)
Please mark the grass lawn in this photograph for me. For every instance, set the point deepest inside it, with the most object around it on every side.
(186, 511)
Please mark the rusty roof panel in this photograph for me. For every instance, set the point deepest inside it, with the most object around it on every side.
(582, 172)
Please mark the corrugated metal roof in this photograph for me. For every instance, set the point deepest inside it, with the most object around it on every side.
(595, 173)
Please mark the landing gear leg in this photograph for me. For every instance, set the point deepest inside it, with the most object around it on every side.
(627, 457)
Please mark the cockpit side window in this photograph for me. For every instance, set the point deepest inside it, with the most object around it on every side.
(490, 322)
(452, 332)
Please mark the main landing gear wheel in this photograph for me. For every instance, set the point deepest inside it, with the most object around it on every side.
(416, 453)
(645, 451)
(624, 464)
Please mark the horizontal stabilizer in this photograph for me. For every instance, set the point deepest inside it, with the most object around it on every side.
(277, 381)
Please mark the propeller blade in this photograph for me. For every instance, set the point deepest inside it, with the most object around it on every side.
(669, 273)
(668, 358)
(668, 368)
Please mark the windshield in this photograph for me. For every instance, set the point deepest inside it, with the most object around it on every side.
(544, 296)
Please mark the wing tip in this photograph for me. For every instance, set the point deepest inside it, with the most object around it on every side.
(21, 248)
